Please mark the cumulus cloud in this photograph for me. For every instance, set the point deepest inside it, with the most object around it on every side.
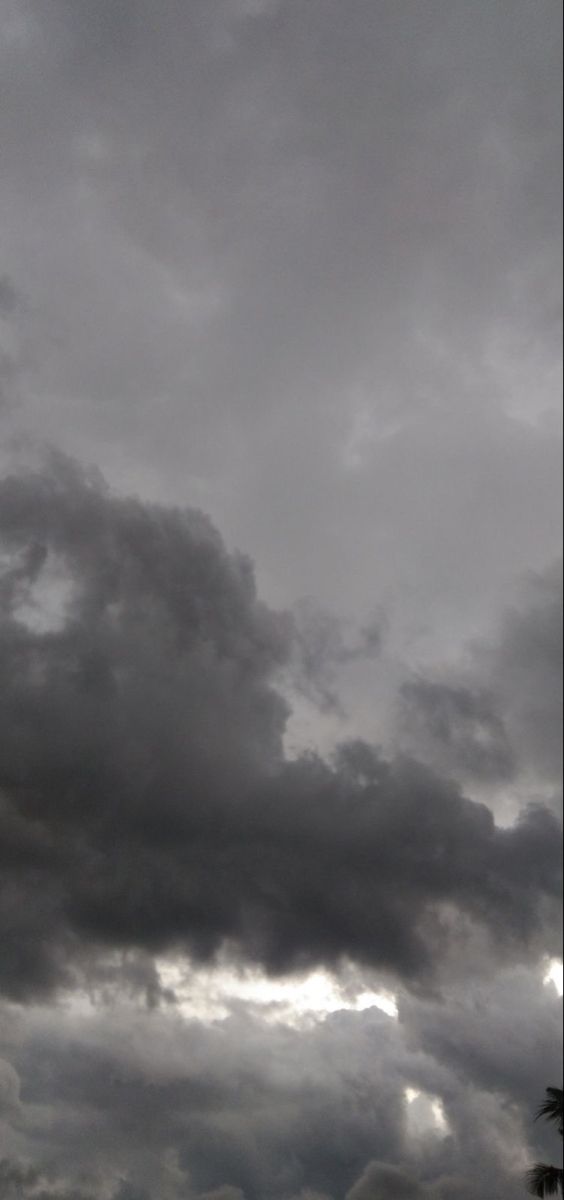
(295, 266)
(145, 798)
(147, 805)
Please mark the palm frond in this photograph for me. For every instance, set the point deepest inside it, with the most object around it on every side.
(545, 1181)
(552, 1109)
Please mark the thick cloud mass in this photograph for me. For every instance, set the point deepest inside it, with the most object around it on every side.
(145, 799)
(294, 264)
(279, 1112)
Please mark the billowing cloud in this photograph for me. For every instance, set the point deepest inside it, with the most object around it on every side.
(294, 266)
(145, 798)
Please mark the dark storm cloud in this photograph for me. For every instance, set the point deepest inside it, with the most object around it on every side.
(296, 263)
(145, 798)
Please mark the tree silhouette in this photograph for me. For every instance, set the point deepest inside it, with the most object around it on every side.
(543, 1180)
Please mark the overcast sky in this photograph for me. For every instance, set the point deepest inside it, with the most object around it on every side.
(280, 597)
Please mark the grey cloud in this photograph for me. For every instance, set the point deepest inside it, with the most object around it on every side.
(10, 303)
(452, 1189)
(457, 728)
(527, 674)
(307, 1194)
(502, 1039)
(224, 1193)
(9, 297)
(381, 1182)
(294, 863)
(322, 644)
(296, 265)
(135, 975)
(9, 1089)
(273, 1112)
(7, 377)
(146, 799)
(500, 714)
(21, 1182)
(265, 1111)
(242, 240)
(15, 1176)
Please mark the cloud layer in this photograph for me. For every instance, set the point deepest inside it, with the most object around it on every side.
(145, 798)
(294, 266)
(179, 1108)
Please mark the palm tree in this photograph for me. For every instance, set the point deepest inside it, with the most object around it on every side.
(542, 1180)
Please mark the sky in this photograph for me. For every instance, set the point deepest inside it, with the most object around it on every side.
(280, 598)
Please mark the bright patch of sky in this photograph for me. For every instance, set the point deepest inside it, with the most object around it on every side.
(45, 603)
(425, 1114)
(555, 975)
(209, 995)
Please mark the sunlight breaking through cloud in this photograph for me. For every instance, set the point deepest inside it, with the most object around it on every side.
(43, 605)
(209, 995)
(425, 1114)
(555, 975)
